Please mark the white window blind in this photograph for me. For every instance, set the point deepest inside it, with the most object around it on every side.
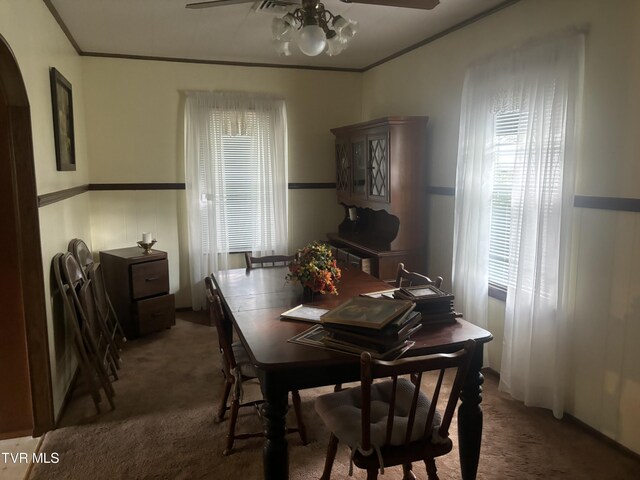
(506, 160)
(242, 195)
(512, 143)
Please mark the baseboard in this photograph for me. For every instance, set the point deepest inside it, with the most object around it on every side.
(184, 309)
(491, 372)
(602, 437)
(199, 317)
(579, 423)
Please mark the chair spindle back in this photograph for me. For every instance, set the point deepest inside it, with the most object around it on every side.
(268, 261)
(372, 369)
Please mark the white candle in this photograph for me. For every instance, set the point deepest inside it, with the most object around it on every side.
(146, 237)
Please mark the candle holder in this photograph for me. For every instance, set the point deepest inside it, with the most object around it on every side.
(146, 246)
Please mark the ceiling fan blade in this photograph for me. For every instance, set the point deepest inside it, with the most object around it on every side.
(421, 4)
(216, 3)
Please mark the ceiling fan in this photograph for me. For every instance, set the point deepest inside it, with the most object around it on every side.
(315, 28)
(421, 4)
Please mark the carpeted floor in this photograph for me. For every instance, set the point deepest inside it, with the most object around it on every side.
(163, 428)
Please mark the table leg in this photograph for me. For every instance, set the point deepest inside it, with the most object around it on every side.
(275, 453)
(470, 417)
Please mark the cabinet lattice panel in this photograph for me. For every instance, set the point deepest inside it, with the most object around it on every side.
(342, 173)
(379, 158)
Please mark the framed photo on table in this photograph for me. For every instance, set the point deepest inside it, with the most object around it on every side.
(62, 103)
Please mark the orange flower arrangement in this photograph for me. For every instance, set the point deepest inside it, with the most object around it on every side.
(316, 269)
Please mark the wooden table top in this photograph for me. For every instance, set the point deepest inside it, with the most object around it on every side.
(256, 298)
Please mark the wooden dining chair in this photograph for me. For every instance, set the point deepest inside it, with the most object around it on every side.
(268, 261)
(393, 422)
(406, 278)
(237, 369)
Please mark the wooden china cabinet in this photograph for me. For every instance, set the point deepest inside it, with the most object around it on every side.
(381, 180)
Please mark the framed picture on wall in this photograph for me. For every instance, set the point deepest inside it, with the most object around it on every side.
(62, 102)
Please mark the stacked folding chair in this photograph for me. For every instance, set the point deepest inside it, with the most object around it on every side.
(96, 360)
(93, 271)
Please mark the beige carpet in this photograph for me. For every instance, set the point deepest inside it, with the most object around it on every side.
(163, 428)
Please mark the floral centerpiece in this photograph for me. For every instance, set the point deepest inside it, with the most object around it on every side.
(316, 269)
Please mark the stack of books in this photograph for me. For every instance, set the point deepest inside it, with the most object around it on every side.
(434, 304)
(382, 327)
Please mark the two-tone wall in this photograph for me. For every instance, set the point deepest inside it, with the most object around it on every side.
(38, 43)
(134, 121)
(604, 384)
(129, 129)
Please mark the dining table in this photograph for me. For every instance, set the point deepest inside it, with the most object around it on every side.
(254, 299)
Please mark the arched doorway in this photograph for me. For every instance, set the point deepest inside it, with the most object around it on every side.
(25, 383)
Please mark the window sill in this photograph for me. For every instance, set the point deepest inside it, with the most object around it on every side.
(498, 292)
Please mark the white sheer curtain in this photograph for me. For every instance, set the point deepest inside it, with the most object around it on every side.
(216, 169)
(541, 83)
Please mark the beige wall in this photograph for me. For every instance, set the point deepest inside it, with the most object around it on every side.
(38, 43)
(428, 81)
(135, 134)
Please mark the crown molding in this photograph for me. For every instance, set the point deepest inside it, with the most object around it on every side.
(433, 38)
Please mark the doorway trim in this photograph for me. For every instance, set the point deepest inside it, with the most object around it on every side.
(28, 227)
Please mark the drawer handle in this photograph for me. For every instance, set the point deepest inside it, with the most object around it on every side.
(157, 314)
(151, 279)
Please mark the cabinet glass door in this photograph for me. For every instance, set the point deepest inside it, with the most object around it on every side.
(342, 169)
(358, 167)
(378, 167)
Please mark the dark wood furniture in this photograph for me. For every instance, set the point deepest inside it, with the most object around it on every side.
(346, 256)
(254, 299)
(138, 286)
(416, 427)
(405, 278)
(237, 367)
(381, 179)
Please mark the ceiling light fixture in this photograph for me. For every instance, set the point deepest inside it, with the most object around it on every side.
(315, 30)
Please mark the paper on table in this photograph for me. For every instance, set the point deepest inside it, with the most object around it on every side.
(304, 313)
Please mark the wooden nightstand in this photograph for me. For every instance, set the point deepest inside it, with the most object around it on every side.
(138, 285)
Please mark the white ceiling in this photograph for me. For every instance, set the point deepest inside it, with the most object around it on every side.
(237, 33)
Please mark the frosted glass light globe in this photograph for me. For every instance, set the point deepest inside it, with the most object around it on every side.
(312, 40)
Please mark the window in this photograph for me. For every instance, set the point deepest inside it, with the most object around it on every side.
(513, 225)
(236, 178)
(242, 195)
(512, 143)
(504, 167)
